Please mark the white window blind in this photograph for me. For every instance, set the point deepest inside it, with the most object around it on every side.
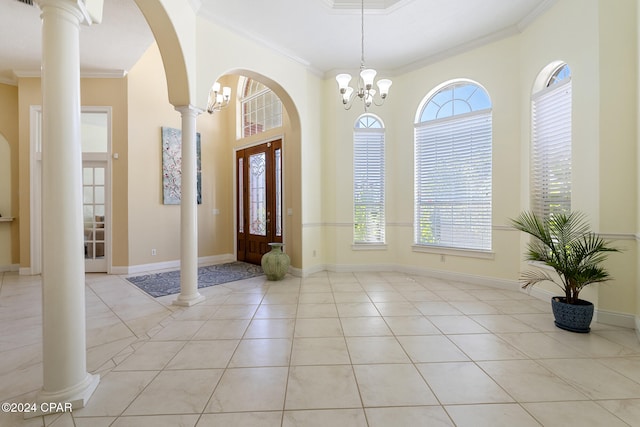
(368, 186)
(453, 181)
(551, 150)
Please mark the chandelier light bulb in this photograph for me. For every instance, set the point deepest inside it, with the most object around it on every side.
(346, 96)
(368, 75)
(384, 85)
(343, 82)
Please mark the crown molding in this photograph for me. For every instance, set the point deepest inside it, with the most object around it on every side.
(10, 82)
(256, 38)
(535, 14)
(89, 74)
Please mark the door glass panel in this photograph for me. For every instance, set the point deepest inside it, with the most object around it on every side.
(257, 195)
(99, 174)
(278, 167)
(99, 195)
(93, 210)
(87, 195)
(87, 176)
(241, 195)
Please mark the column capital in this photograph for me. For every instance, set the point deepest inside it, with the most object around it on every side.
(86, 12)
(191, 110)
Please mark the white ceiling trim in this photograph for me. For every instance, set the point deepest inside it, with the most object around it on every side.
(260, 40)
(96, 74)
(535, 13)
(457, 50)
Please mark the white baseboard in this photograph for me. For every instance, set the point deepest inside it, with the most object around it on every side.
(360, 268)
(616, 319)
(10, 267)
(169, 265)
(419, 271)
(25, 271)
(298, 272)
(542, 294)
(461, 277)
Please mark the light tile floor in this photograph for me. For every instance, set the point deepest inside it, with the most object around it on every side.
(334, 349)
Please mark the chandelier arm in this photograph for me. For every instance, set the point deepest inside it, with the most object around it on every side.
(381, 102)
(347, 105)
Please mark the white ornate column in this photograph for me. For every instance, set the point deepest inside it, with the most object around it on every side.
(65, 377)
(189, 294)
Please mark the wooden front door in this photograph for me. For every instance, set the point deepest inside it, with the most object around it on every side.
(259, 184)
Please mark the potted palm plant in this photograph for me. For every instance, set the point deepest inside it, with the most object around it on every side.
(565, 243)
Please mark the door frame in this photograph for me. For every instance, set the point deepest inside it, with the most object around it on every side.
(235, 186)
(35, 186)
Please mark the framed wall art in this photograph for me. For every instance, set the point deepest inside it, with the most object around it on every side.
(172, 166)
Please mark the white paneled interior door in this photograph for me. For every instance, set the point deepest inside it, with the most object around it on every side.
(94, 207)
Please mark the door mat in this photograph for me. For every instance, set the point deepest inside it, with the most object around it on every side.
(168, 283)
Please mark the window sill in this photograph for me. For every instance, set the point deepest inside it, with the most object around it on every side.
(468, 253)
(540, 265)
(369, 246)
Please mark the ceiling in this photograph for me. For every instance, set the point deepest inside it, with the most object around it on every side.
(324, 35)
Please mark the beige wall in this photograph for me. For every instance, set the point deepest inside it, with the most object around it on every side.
(637, 228)
(9, 232)
(94, 92)
(617, 144)
(153, 225)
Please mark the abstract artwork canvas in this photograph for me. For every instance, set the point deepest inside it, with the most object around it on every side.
(172, 166)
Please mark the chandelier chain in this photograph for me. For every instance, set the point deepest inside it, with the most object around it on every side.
(362, 35)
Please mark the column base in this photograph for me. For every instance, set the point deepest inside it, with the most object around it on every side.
(65, 400)
(188, 301)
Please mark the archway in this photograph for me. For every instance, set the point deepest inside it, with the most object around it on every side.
(290, 135)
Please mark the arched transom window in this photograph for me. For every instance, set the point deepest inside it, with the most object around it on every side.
(261, 108)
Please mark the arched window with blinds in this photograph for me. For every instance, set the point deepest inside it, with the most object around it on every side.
(550, 174)
(368, 180)
(453, 166)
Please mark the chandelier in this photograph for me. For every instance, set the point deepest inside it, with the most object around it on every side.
(366, 78)
(218, 100)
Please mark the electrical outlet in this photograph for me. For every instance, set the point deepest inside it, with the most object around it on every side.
(154, 252)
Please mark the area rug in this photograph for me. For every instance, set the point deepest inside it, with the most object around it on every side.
(161, 284)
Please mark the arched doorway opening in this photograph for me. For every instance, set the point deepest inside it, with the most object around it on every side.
(270, 144)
